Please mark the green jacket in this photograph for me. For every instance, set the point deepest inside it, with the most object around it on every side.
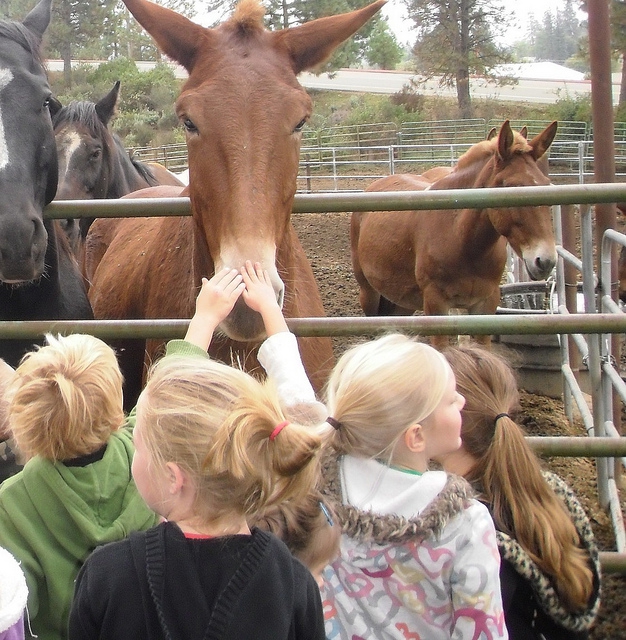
(53, 516)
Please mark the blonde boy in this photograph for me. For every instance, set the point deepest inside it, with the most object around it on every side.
(75, 491)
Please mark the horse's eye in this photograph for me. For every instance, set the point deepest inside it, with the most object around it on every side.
(46, 103)
(190, 126)
(96, 154)
(300, 125)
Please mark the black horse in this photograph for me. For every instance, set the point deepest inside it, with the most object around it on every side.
(39, 276)
(93, 162)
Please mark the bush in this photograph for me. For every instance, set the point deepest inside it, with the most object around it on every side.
(146, 104)
(572, 109)
(409, 98)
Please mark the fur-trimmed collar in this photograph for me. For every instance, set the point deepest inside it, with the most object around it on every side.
(366, 526)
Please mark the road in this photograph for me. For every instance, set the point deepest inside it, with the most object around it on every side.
(539, 91)
(544, 91)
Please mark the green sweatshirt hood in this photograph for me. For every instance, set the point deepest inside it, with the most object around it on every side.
(53, 516)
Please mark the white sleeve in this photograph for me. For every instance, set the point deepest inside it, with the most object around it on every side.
(475, 580)
(280, 357)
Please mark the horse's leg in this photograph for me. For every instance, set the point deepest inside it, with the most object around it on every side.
(372, 303)
(435, 304)
(488, 307)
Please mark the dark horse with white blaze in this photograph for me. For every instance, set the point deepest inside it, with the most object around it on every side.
(39, 277)
(243, 110)
(93, 163)
(433, 261)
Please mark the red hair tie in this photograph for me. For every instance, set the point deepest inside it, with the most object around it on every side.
(278, 428)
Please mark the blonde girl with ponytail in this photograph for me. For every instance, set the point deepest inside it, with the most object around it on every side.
(550, 572)
(418, 555)
(213, 448)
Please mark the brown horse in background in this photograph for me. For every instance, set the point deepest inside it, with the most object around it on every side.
(243, 110)
(437, 260)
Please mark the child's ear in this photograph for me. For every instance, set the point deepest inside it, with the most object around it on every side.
(414, 438)
(176, 477)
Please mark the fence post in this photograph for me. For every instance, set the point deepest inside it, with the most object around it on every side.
(593, 340)
(307, 172)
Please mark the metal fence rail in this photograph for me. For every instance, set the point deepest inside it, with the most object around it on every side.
(590, 328)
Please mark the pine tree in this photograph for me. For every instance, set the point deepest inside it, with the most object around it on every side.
(455, 39)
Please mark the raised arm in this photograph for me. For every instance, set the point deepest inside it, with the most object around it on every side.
(259, 295)
(214, 302)
(279, 354)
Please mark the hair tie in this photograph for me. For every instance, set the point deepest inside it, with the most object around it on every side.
(278, 428)
(501, 415)
(326, 513)
(335, 424)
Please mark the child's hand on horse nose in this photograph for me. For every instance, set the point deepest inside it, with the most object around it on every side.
(218, 295)
(259, 293)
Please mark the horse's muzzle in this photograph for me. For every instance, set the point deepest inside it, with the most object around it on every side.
(22, 254)
(243, 324)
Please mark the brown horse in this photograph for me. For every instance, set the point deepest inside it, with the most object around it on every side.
(437, 260)
(243, 110)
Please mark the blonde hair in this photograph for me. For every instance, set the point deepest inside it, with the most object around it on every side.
(378, 389)
(66, 398)
(304, 527)
(509, 476)
(215, 422)
(7, 373)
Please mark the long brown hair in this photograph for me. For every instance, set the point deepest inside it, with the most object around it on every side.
(508, 475)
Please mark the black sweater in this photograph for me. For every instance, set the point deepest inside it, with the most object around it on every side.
(159, 585)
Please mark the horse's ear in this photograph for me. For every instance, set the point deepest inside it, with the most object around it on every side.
(38, 19)
(106, 107)
(505, 140)
(177, 36)
(524, 132)
(312, 43)
(541, 142)
(492, 133)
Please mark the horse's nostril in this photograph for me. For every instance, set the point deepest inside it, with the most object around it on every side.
(544, 265)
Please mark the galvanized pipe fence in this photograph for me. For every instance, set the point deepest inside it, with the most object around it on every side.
(589, 330)
(338, 167)
(342, 166)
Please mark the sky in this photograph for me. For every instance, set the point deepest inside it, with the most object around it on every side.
(396, 14)
(395, 11)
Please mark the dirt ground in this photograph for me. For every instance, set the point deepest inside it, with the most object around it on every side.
(325, 238)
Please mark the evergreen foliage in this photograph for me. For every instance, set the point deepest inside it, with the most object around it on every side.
(456, 39)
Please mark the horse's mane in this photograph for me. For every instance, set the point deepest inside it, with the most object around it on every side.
(475, 158)
(483, 150)
(248, 15)
(82, 112)
(18, 33)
